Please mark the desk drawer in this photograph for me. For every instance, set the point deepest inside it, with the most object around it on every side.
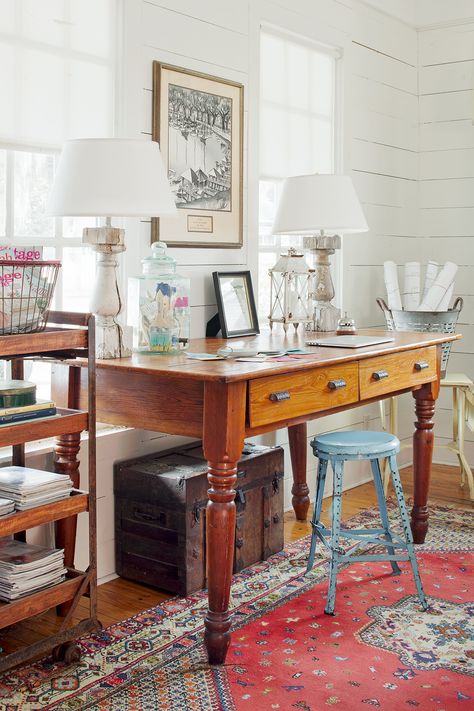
(385, 374)
(281, 397)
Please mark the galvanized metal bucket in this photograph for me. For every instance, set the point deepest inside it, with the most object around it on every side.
(437, 321)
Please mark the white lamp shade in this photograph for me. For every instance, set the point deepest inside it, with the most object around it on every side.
(311, 203)
(111, 177)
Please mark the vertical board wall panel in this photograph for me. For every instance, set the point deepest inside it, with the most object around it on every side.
(447, 173)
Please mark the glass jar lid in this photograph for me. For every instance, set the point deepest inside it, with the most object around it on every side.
(159, 262)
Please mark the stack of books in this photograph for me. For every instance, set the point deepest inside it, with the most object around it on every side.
(13, 415)
(33, 487)
(26, 568)
(7, 506)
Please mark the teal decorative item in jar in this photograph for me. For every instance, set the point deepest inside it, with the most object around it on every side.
(159, 305)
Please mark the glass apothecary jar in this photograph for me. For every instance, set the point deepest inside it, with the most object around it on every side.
(158, 302)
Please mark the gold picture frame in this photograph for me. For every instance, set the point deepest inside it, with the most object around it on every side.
(198, 122)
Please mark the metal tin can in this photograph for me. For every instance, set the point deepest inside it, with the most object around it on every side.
(17, 393)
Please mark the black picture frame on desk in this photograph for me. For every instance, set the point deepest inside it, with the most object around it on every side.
(235, 304)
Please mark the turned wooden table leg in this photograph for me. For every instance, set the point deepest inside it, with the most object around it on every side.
(223, 440)
(297, 435)
(66, 462)
(422, 456)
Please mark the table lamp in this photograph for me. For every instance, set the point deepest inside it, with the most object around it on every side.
(110, 177)
(320, 206)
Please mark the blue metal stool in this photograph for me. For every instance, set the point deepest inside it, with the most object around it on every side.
(338, 447)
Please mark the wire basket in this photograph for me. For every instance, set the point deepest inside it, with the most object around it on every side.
(437, 321)
(26, 290)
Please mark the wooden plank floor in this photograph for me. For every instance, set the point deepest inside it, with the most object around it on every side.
(120, 598)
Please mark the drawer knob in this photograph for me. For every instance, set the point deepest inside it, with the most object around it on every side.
(421, 365)
(337, 384)
(278, 397)
(380, 375)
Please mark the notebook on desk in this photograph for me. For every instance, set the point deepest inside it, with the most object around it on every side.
(349, 341)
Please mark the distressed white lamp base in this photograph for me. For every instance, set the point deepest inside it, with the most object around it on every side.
(106, 302)
(326, 315)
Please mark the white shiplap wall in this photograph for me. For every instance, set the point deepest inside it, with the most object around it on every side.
(384, 162)
(446, 80)
(378, 142)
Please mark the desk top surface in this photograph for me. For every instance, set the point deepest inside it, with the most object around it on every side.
(178, 366)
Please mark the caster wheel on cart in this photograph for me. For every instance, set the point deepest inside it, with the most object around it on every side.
(69, 653)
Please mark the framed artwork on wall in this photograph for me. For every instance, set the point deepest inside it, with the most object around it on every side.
(235, 303)
(198, 122)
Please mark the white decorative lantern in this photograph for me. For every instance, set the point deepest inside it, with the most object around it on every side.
(290, 291)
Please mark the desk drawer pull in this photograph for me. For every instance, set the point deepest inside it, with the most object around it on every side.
(278, 397)
(337, 384)
(421, 365)
(380, 374)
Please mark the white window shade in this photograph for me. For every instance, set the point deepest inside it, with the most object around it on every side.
(297, 126)
(56, 63)
(297, 82)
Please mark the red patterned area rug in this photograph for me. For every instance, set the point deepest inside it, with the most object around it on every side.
(379, 649)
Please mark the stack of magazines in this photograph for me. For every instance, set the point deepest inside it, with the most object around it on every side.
(33, 487)
(7, 506)
(26, 568)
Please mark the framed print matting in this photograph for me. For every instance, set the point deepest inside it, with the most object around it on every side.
(198, 122)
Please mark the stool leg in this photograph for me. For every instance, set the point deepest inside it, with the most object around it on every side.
(461, 423)
(455, 419)
(335, 535)
(382, 414)
(393, 428)
(397, 485)
(318, 503)
(374, 463)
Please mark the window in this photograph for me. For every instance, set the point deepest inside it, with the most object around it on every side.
(25, 181)
(57, 73)
(23, 221)
(297, 131)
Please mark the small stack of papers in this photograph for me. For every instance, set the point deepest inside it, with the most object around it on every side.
(26, 568)
(7, 506)
(33, 487)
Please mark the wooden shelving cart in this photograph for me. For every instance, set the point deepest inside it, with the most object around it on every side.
(67, 336)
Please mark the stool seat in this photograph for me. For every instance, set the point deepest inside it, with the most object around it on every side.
(356, 444)
(456, 380)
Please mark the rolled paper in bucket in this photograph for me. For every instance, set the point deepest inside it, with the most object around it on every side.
(411, 286)
(438, 290)
(391, 283)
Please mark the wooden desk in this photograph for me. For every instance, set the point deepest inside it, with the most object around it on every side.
(223, 402)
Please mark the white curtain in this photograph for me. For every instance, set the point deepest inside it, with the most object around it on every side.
(57, 62)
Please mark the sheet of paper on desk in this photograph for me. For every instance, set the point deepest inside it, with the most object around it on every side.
(204, 356)
(252, 359)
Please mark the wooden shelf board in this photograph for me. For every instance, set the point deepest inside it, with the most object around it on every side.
(52, 339)
(21, 520)
(12, 612)
(41, 428)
